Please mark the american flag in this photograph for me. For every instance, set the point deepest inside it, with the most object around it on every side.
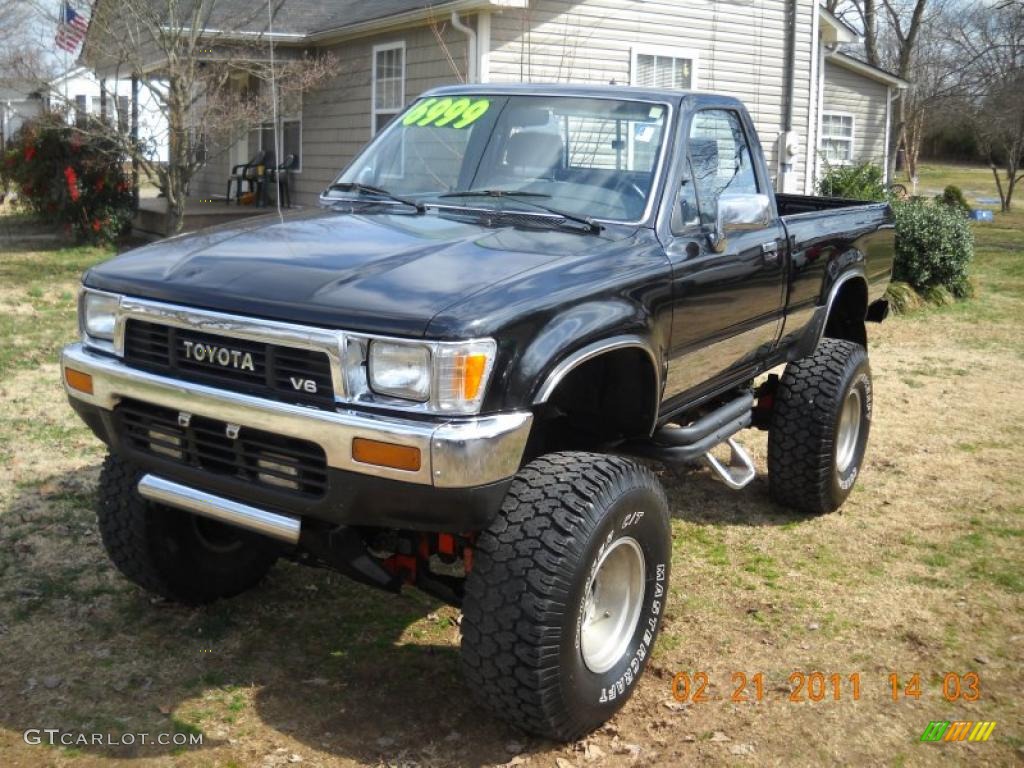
(71, 28)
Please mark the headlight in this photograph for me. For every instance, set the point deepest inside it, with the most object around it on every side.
(99, 314)
(400, 370)
(452, 376)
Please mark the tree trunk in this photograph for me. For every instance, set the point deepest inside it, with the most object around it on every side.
(871, 33)
(1003, 206)
(177, 156)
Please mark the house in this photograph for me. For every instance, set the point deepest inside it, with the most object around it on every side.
(781, 57)
(18, 102)
(82, 93)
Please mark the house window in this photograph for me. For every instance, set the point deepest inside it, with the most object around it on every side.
(664, 68)
(837, 137)
(81, 109)
(388, 83)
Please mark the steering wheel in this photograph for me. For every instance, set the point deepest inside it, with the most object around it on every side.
(634, 198)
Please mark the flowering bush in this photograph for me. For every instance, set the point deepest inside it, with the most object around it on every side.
(74, 178)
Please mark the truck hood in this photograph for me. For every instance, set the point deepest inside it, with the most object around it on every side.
(387, 273)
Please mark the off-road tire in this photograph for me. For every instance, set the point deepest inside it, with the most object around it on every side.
(526, 595)
(803, 471)
(173, 553)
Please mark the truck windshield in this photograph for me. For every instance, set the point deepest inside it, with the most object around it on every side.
(585, 156)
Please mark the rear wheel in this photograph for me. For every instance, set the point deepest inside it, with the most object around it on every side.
(819, 428)
(566, 594)
(180, 556)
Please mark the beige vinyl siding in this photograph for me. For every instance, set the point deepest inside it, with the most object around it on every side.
(336, 117)
(740, 49)
(846, 92)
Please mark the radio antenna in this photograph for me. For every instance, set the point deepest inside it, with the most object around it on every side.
(273, 100)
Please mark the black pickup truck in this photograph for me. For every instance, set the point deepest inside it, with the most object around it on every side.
(445, 374)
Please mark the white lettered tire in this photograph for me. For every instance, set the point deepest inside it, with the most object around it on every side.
(567, 593)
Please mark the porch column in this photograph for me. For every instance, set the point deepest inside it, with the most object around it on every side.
(135, 141)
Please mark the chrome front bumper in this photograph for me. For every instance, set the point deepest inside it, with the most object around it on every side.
(460, 453)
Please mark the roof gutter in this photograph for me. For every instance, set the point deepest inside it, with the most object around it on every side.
(409, 18)
(868, 71)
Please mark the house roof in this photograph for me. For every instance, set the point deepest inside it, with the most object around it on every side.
(835, 30)
(313, 20)
(866, 70)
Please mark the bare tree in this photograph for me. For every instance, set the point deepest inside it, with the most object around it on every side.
(989, 47)
(21, 47)
(213, 77)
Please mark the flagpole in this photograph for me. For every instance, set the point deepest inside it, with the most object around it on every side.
(60, 24)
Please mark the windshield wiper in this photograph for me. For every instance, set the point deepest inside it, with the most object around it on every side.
(369, 189)
(590, 223)
(494, 193)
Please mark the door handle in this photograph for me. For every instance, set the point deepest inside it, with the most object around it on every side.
(770, 252)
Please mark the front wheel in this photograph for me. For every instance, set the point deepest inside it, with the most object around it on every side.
(180, 556)
(819, 428)
(566, 594)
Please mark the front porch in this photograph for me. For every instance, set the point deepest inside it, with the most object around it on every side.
(151, 219)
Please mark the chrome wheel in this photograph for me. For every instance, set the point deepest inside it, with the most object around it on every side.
(614, 598)
(849, 431)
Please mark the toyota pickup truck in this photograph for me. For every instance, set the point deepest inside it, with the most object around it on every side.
(463, 368)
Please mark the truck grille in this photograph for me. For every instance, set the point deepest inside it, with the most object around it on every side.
(283, 463)
(280, 373)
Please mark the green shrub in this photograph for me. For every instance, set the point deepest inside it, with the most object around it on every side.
(934, 245)
(953, 198)
(902, 298)
(853, 182)
(73, 178)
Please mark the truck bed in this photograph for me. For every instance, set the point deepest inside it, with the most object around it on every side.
(791, 205)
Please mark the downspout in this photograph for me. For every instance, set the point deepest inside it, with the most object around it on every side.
(471, 53)
(888, 128)
(788, 146)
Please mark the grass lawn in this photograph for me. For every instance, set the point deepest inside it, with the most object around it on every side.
(920, 574)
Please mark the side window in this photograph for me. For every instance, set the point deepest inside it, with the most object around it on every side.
(686, 214)
(720, 159)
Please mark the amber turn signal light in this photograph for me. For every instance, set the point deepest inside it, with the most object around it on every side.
(78, 380)
(469, 370)
(385, 454)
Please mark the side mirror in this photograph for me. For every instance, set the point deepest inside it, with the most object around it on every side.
(739, 212)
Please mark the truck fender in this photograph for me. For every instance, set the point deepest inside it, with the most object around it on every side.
(816, 328)
(582, 334)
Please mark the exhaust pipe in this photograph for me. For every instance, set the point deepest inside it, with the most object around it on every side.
(281, 527)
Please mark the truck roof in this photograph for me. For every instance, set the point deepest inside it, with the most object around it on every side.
(670, 95)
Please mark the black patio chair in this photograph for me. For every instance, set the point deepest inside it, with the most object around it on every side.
(282, 176)
(245, 172)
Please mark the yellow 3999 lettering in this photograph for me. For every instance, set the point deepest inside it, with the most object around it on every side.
(454, 112)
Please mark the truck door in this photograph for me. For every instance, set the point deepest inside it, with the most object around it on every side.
(727, 301)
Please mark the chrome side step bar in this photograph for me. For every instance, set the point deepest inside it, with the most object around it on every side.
(281, 527)
(692, 444)
(739, 472)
